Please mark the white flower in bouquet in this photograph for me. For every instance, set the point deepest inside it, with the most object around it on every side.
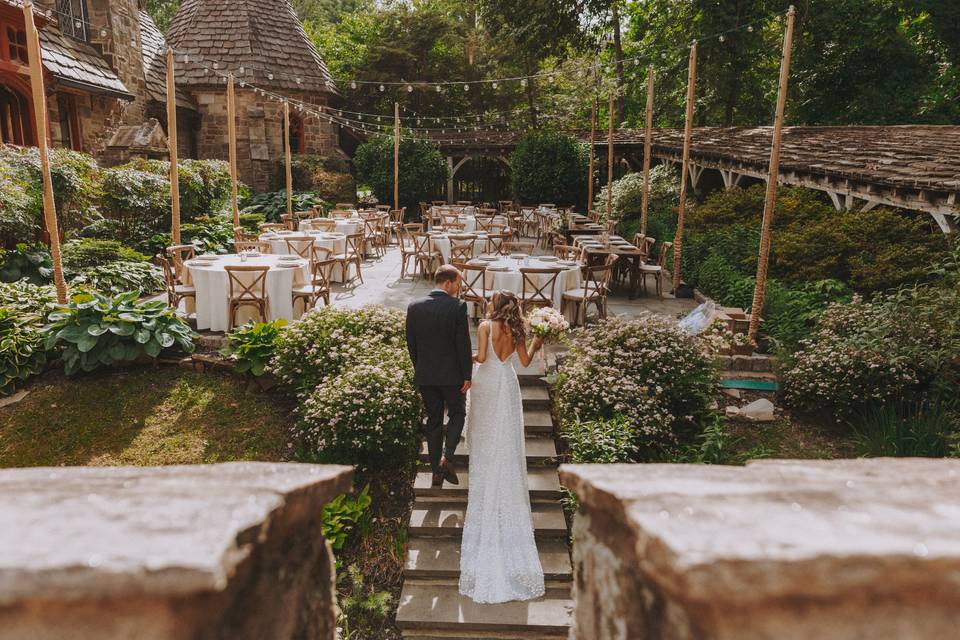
(547, 324)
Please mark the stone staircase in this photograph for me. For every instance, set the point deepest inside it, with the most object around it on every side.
(431, 607)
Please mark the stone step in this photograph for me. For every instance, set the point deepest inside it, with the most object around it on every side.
(539, 451)
(537, 421)
(543, 483)
(445, 519)
(440, 558)
(535, 397)
(451, 634)
(440, 607)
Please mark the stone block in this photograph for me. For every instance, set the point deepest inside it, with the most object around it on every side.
(742, 363)
(230, 550)
(761, 364)
(793, 550)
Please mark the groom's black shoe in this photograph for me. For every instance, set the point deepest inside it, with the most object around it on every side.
(448, 473)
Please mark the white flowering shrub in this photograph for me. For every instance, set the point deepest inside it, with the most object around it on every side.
(645, 370)
(326, 341)
(368, 415)
(905, 346)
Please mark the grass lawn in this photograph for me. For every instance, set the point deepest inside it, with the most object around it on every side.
(143, 416)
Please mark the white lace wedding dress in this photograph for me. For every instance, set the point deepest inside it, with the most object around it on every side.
(498, 560)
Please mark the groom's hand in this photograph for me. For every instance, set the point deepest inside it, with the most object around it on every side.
(465, 387)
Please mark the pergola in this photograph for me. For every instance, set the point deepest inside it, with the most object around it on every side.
(915, 167)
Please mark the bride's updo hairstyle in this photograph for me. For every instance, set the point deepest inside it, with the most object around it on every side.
(506, 308)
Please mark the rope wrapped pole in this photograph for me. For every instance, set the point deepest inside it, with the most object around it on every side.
(232, 135)
(770, 203)
(685, 170)
(396, 155)
(647, 144)
(610, 160)
(286, 154)
(172, 149)
(593, 139)
(40, 115)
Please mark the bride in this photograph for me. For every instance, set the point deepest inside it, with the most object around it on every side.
(499, 560)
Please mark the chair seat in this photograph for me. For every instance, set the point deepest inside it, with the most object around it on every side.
(651, 268)
(340, 257)
(308, 290)
(250, 300)
(581, 294)
(185, 289)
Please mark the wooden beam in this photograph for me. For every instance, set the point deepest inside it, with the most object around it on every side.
(685, 167)
(396, 155)
(40, 115)
(172, 149)
(593, 139)
(232, 136)
(647, 144)
(610, 159)
(286, 154)
(770, 203)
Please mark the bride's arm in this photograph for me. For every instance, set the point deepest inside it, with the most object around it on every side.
(482, 331)
(526, 355)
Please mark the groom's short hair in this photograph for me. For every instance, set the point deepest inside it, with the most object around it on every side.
(446, 273)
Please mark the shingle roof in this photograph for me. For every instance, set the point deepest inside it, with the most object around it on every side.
(78, 64)
(263, 36)
(153, 48)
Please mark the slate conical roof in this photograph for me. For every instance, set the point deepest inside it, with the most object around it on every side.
(265, 37)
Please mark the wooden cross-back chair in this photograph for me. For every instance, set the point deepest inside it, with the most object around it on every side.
(178, 254)
(474, 287)
(461, 247)
(537, 293)
(300, 246)
(426, 254)
(288, 221)
(505, 205)
(596, 287)
(256, 245)
(566, 252)
(176, 291)
(518, 247)
(483, 222)
(496, 242)
(464, 203)
(353, 255)
(372, 236)
(247, 288)
(241, 235)
(324, 224)
(395, 223)
(408, 246)
(321, 267)
(266, 227)
(343, 205)
(656, 270)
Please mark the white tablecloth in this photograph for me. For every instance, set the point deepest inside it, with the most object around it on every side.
(511, 280)
(346, 226)
(213, 289)
(442, 244)
(335, 242)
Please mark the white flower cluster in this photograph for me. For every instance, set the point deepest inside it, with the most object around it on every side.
(547, 323)
(644, 369)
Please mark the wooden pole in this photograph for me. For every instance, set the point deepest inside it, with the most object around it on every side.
(770, 203)
(232, 135)
(40, 115)
(396, 155)
(685, 170)
(647, 144)
(172, 149)
(593, 140)
(610, 160)
(286, 153)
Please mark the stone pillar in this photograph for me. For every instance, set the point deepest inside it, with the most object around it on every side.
(449, 179)
(792, 550)
(202, 552)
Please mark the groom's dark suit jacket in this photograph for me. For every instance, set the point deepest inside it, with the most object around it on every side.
(438, 339)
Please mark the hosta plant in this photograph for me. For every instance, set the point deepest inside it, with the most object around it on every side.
(21, 350)
(114, 278)
(95, 330)
(252, 345)
(28, 299)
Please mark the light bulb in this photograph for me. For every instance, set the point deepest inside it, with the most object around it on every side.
(466, 87)
(353, 85)
(494, 85)
(409, 88)
(721, 38)
(240, 70)
(270, 76)
(750, 28)
(438, 88)
(381, 87)
(299, 81)
(103, 33)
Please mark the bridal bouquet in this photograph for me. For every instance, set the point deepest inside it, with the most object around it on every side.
(547, 324)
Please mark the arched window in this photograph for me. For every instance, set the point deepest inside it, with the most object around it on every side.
(16, 125)
(296, 134)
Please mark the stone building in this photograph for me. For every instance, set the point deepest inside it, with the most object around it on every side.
(105, 75)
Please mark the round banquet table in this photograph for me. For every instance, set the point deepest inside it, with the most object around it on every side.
(442, 244)
(511, 280)
(346, 226)
(335, 242)
(213, 289)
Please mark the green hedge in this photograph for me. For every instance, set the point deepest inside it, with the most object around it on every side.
(422, 169)
(548, 166)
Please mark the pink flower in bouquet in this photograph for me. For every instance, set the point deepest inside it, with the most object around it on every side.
(547, 324)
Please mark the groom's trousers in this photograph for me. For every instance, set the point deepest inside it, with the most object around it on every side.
(436, 399)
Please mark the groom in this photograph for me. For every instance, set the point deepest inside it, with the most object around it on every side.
(438, 339)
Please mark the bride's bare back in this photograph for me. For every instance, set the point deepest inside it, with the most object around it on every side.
(502, 343)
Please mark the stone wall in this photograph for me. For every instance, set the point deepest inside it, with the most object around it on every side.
(792, 550)
(99, 116)
(231, 551)
(259, 132)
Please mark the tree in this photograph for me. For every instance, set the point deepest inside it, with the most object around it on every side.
(422, 169)
(161, 12)
(548, 166)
